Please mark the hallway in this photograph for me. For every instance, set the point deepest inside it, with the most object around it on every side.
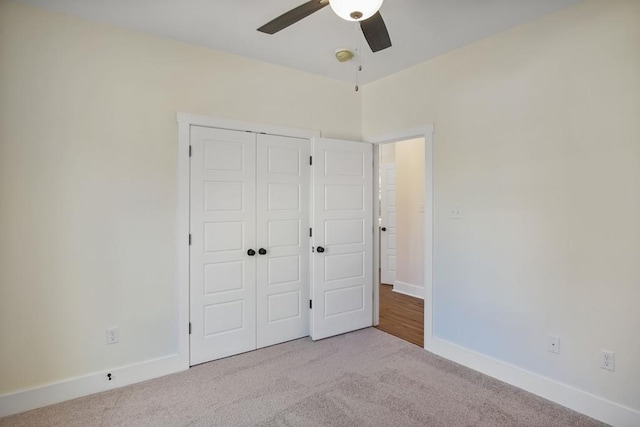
(401, 315)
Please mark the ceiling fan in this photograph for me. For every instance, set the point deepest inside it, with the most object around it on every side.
(363, 11)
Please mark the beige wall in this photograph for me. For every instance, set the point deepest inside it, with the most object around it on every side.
(88, 181)
(537, 138)
(410, 228)
(387, 153)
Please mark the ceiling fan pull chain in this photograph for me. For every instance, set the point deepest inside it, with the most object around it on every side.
(358, 55)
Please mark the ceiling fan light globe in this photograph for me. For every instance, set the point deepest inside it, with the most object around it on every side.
(355, 10)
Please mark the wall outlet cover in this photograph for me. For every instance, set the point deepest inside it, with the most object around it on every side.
(113, 335)
(607, 360)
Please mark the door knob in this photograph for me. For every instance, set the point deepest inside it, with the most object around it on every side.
(251, 252)
(384, 229)
(320, 249)
(262, 251)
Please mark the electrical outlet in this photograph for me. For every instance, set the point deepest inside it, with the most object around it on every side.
(113, 335)
(607, 361)
(553, 344)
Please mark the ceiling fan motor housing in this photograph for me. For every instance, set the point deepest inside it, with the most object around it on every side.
(365, 12)
(355, 10)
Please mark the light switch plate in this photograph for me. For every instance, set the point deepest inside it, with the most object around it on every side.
(553, 344)
(456, 212)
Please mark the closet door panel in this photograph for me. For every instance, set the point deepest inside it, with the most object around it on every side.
(282, 211)
(222, 284)
(343, 237)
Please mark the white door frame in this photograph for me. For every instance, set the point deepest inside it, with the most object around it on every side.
(185, 121)
(426, 132)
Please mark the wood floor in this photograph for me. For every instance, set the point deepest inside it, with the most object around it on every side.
(401, 315)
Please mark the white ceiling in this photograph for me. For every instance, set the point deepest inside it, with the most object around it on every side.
(419, 29)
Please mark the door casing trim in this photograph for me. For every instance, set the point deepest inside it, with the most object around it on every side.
(425, 132)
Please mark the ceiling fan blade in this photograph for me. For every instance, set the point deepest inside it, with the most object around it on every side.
(375, 31)
(293, 16)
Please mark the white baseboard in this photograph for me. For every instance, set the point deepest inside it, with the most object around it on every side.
(408, 289)
(581, 401)
(49, 394)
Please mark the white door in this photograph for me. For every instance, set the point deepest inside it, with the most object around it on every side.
(342, 288)
(223, 278)
(283, 240)
(388, 223)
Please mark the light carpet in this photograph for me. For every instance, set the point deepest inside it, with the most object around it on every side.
(364, 378)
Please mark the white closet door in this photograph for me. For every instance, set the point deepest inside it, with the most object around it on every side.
(388, 215)
(283, 232)
(222, 285)
(343, 237)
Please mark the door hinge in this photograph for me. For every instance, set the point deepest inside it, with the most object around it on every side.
(189, 151)
(189, 239)
(311, 232)
(311, 160)
(310, 303)
(189, 328)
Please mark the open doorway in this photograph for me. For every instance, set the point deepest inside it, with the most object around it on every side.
(401, 251)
